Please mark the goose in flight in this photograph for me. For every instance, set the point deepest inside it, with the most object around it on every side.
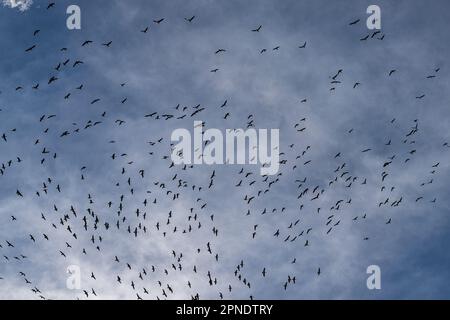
(257, 29)
(364, 38)
(30, 48)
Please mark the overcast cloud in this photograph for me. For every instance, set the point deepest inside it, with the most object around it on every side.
(170, 65)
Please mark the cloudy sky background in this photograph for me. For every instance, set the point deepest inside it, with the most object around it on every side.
(171, 65)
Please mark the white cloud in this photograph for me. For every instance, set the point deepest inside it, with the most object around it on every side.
(22, 5)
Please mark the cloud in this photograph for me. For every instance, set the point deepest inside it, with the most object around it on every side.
(169, 66)
(22, 5)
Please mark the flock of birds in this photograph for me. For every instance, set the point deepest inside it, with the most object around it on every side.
(146, 207)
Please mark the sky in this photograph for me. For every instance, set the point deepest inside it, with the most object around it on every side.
(325, 124)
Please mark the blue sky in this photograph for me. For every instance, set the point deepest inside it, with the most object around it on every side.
(170, 65)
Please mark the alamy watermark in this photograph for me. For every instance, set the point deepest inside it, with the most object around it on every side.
(236, 146)
(374, 280)
(374, 20)
(73, 281)
(73, 22)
